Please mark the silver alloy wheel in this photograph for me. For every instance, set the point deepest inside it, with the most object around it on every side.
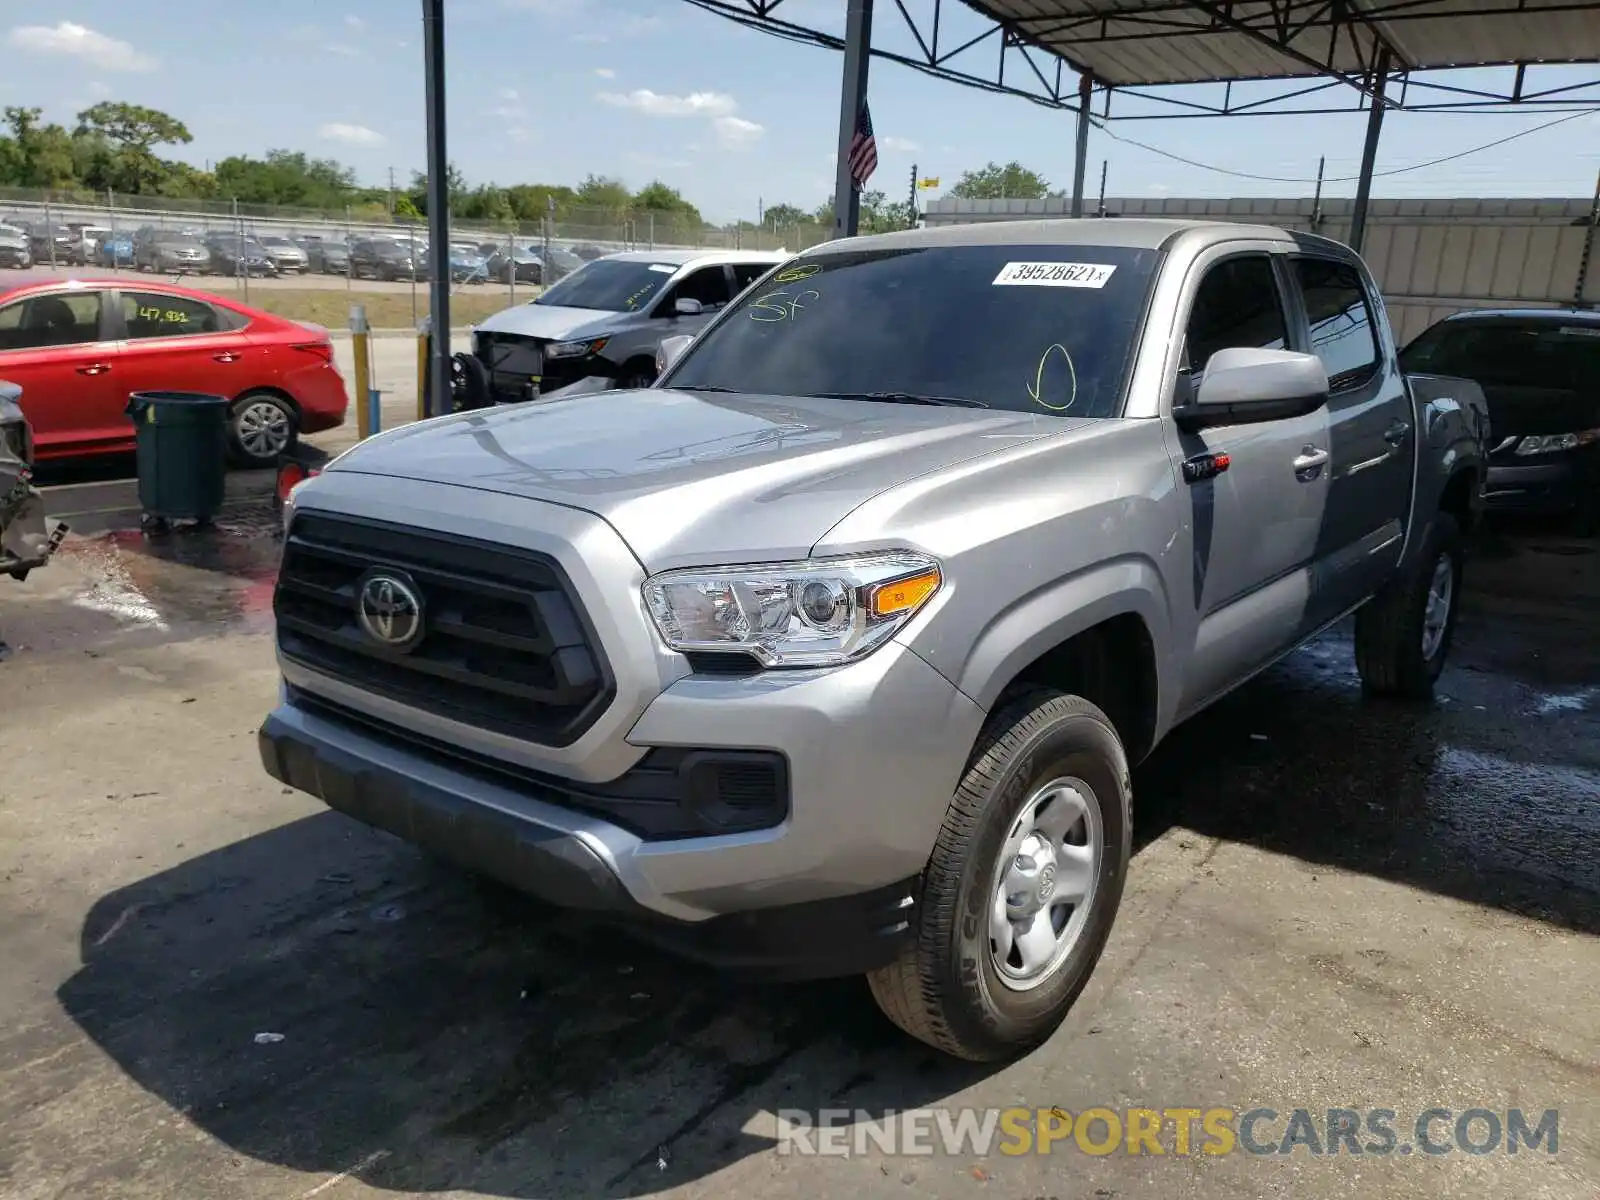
(1046, 878)
(263, 428)
(1436, 616)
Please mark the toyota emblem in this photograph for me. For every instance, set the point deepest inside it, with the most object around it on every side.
(389, 610)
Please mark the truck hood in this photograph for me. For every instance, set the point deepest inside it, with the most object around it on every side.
(691, 478)
(552, 321)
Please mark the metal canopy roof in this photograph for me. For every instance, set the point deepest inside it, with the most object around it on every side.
(1155, 42)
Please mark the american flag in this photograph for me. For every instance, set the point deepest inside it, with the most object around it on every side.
(863, 149)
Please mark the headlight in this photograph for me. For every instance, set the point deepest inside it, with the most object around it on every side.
(574, 349)
(1552, 443)
(802, 614)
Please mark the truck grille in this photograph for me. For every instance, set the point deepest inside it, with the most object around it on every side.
(503, 646)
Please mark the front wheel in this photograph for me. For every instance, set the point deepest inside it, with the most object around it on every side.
(263, 426)
(1023, 884)
(1403, 635)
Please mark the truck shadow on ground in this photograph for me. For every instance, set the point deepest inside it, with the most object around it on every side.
(439, 1034)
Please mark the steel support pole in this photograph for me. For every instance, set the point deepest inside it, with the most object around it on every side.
(1081, 160)
(1369, 151)
(438, 209)
(852, 93)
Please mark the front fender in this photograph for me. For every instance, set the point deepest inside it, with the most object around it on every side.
(1060, 610)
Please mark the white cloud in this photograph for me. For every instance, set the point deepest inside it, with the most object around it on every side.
(355, 22)
(899, 144)
(657, 104)
(351, 135)
(99, 89)
(509, 94)
(508, 112)
(342, 50)
(735, 133)
(79, 41)
(591, 39)
(1159, 189)
(605, 72)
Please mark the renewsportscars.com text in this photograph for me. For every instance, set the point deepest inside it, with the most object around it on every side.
(1179, 1132)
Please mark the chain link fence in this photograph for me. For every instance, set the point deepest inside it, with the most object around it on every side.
(609, 230)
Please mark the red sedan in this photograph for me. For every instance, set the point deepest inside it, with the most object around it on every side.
(78, 349)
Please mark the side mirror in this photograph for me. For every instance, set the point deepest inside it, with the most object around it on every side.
(686, 307)
(1244, 385)
(671, 349)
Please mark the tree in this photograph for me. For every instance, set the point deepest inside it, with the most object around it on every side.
(36, 155)
(657, 197)
(599, 191)
(781, 216)
(994, 182)
(133, 125)
(286, 177)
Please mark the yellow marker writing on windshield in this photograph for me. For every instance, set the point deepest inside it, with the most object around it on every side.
(797, 272)
(1036, 389)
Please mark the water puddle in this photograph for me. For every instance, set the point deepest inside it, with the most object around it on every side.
(130, 584)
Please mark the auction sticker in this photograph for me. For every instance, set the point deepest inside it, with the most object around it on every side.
(1053, 274)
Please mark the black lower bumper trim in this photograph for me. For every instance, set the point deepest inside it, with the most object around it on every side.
(362, 779)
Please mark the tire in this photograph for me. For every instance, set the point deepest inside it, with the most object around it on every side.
(1400, 651)
(949, 987)
(637, 373)
(469, 383)
(257, 436)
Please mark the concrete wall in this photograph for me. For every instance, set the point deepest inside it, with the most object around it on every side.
(1430, 257)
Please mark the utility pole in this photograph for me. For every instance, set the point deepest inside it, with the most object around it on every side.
(391, 191)
(1316, 198)
(1105, 165)
(913, 209)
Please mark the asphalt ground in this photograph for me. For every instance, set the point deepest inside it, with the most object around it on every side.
(1334, 903)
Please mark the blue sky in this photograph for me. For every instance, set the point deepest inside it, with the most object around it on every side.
(551, 90)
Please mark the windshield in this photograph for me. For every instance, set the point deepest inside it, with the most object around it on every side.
(611, 285)
(1042, 329)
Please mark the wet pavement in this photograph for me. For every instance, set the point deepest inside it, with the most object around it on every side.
(1334, 902)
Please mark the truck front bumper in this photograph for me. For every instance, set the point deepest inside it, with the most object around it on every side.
(829, 891)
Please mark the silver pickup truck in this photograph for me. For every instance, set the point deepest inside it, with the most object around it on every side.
(831, 652)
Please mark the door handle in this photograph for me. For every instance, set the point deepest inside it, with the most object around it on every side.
(1310, 463)
(226, 356)
(94, 369)
(1395, 435)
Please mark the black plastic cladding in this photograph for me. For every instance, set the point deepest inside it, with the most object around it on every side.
(670, 793)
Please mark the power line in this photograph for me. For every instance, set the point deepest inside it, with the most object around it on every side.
(1434, 162)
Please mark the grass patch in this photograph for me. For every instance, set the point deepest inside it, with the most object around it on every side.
(385, 310)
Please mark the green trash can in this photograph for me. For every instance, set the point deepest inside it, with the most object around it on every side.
(181, 442)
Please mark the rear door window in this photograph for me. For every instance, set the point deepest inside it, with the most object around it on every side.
(154, 315)
(1340, 317)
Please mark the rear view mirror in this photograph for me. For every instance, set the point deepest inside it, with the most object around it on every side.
(670, 350)
(1243, 385)
(686, 307)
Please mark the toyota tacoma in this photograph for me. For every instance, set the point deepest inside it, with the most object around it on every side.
(830, 653)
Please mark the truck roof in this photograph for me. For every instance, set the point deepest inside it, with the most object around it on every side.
(682, 258)
(1141, 233)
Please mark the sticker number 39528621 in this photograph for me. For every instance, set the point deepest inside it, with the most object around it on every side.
(1054, 274)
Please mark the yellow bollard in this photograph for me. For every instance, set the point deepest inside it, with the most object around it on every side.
(422, 369)
(360, 334)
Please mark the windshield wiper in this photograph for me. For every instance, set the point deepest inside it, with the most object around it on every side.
(699, 387)
(906, 398)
